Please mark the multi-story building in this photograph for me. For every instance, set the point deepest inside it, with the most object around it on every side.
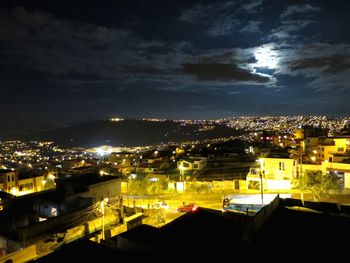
(15, 184)
(276, 172)
(309, 147)
(319, 149)
(328, 147)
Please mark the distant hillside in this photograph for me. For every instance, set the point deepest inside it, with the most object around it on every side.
(131, 133)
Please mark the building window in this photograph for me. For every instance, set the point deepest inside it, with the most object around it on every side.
(53, 211)
(340, 149)
(8, 178)
(186, 165)
(13, 178)
(322, 155)
(281, 166)
(195, 166)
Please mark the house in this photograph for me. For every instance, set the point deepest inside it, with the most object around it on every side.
(82, 170)
(124, 162)
(156, 166)
(91, 186)
(30, 216)
(276, 171)
(318, 149)
(279, 171)
(11, 181)
(328, 147)
(192, 164)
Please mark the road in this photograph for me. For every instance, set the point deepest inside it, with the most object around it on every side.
(213, 200)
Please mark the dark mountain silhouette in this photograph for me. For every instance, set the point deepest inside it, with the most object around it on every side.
(131, 132)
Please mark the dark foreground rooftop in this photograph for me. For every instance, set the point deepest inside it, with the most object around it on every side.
(210, 235)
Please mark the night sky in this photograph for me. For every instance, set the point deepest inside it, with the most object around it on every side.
(81, 60)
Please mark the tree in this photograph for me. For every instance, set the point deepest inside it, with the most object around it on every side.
(195, 188)
(50, 184)
(136, 187)
(145, 188)
(318, 183)
(156, 188)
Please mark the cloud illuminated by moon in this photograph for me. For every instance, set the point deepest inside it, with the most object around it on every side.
(266, 60)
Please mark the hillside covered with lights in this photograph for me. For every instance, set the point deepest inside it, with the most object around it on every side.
(129, 132)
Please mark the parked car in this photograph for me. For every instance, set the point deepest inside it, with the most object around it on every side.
(191, 207)
(159, 205)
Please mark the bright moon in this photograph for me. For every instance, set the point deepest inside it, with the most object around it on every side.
(266, 57)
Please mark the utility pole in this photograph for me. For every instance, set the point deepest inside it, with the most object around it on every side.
(261, 161)
(261, 189)
(103, 218)
(301, 163)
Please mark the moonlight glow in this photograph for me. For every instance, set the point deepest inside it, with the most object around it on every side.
(266, 57)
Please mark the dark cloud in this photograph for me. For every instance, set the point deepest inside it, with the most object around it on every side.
(206, 14)
(223, 27)
(59, 47)
(289, 29)
(299, 9)
(252, 6)
(251, 27)
(145, 71)
(326, 66)
(332, 65)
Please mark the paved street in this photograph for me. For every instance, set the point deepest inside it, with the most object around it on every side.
(213, 200)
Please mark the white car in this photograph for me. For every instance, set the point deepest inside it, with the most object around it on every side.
(159, 205)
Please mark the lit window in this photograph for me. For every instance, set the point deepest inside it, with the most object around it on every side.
(281, 166)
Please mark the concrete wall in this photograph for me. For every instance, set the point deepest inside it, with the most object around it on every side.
(228, 184)
(258, 220)
(278, 184)
(23, 255)
(347, 180)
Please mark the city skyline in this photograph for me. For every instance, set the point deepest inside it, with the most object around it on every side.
(65, 61)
